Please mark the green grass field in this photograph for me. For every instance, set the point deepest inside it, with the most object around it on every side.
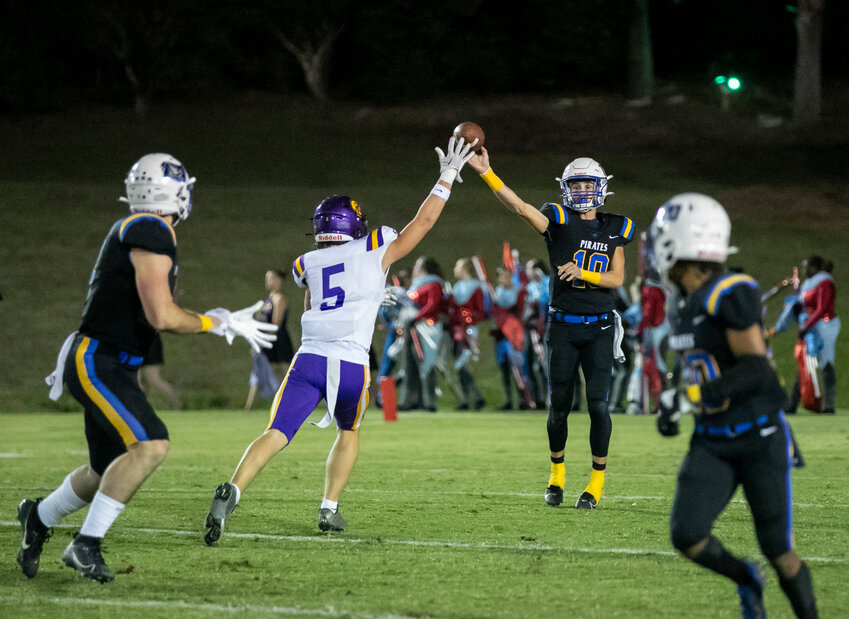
(446, 520)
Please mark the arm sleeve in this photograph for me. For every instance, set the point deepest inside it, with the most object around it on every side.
(627, 230)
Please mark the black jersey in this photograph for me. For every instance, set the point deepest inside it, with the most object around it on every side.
(113, 311)
(726, 301)
(588, 243)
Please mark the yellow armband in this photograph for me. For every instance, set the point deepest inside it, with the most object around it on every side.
(591, 277)
(492, 180)
(205, 323)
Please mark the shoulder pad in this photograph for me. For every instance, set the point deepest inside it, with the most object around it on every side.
(147, 231)
(380, 236)
(555, 212)
(734, 298)
(299, 271)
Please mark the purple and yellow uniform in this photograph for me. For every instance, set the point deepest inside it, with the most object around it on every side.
(114, 335)
(346, 284)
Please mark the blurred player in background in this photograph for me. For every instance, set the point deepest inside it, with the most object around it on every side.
(423, 335)
(740, 435)
(345, 277)
(533, 319)
(467, 309)
(129, 300)
(508, 302)
(586, 249)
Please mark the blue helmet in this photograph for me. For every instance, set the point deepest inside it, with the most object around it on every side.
(338, 218)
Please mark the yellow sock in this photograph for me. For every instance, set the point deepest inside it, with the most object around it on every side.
(558, 475)
(596, 484)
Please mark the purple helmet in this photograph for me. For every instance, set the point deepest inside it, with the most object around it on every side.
(338, 218)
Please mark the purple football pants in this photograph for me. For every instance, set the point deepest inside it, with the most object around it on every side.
(307, 383)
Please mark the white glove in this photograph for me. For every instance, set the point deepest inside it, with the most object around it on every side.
(258, 334)
(221, 314)
(241, 323)
(452, 162)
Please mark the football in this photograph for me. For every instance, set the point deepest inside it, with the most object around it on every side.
(469, 131)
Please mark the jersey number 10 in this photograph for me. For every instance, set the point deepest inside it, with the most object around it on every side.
(594, 262)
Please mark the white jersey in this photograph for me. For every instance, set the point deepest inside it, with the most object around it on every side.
(346, 284)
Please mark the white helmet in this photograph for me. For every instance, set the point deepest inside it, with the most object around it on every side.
(584, 169)
(690, 226)
(158, 183)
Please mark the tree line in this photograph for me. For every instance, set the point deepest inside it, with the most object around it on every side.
(55, 55)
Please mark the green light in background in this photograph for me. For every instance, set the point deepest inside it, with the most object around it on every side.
(734, 83)
(719, 80)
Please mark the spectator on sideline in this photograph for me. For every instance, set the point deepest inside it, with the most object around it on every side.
(150, 376)
(270, 364)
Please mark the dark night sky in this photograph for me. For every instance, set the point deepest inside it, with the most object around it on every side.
(56, 55)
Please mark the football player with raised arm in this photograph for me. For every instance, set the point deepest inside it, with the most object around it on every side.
(345, 278)
(129, 300)
(740, 435)
(586, 249)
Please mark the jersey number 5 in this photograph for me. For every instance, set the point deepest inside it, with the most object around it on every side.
(331, 293)
(594, 262)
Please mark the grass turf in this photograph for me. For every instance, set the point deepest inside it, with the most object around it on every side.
(446, 519)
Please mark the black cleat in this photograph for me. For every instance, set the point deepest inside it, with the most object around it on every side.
(83, 554)
(223, 504)
(752, 596)
(554, 495)
(34, 536)
(328, 520)
(586, 501)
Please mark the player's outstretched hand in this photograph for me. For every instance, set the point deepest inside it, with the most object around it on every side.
(480, 163)
(223, 315)
(258, 334)
(452, 161)
(669, 412)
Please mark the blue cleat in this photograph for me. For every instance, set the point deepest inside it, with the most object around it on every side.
(752, 596)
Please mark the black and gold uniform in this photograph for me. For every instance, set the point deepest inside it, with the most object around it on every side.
(738, 439)
(580, 320)
(114, 335)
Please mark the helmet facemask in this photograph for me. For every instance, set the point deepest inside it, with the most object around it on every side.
(587, 170)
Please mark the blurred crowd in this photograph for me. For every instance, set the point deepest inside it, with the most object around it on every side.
(435, 330)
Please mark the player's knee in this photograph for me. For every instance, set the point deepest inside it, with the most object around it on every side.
(786, 565)
(773, 542)
(561, 401)
(685, 538)
(598, 409)
(154, 452)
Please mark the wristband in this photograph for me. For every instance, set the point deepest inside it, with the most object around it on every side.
(205, 323)
(440, 191)
(449, 175)
(694, 393)
(492, 180)
(591, 277)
